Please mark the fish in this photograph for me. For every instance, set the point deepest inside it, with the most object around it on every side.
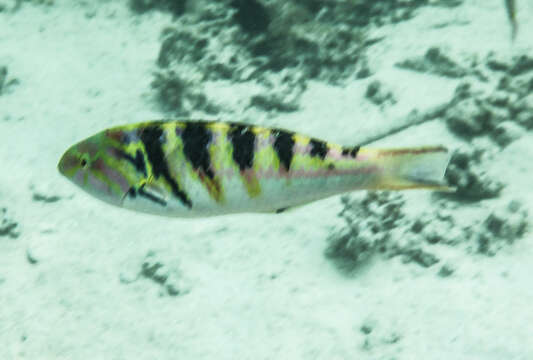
(195, 168)
(510, 7)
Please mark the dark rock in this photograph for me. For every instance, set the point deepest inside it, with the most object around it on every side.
(175, 7)
(465, 172)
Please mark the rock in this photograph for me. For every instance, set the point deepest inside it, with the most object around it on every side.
(256, 40)
(179, 96)
(47, 192)
(521, 65)
(32, 259)
(368, 227)
(3, 77)
(167, 274)
(436, 62)
(377, 94)
(6, 84)
(507, 132)
(466, 173)
(419, 256)
(8, 226)
(523, 110)
(275, 102)
(446, 270)
(502, 226)
(368, 326)
(499, 98)
(468, 118)
(175, 7)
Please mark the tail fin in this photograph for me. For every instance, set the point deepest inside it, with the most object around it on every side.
(413, 168)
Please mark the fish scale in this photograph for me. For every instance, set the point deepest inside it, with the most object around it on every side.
(206, 168)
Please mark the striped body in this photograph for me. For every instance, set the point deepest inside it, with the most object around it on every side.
(195, 168)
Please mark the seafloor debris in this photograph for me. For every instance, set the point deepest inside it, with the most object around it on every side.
(6, 84)
(377, 93)
(370, 224)
(256, 40)
(378, 224)
(176, 7)
(44, 193)
(446, 270)
(8, 226)
(165, 273)
(376, 335)
(274, 102)
(47, 192)
(503, 112)
(501, 227)
(467, 174)
(436, 62)
(14, 5)
(180, 96)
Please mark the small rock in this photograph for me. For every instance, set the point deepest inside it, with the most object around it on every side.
(368, 326)
(46, 192)
(446, 270)
(273, 103)
(522, 64)
(369, 225)
(8, 227)
(495, 64)
(468, 118)
(376, 93)
(180, 96)
(435, 62)
(3, 77)
(503, 226)
(30, 257)
(466, 173)
(507, 132)
(391, 338)
(421, 257)
(499, 98)
(169, 276)
(524, 111)
(175, 7)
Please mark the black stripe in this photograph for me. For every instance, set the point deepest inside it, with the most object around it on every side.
(243, 141)
(284, 146)
(196, 138)
(318, 148)
(152, 137)
(137, 161)
(352, 151)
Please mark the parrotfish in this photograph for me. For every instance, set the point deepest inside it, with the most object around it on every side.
(207, 168)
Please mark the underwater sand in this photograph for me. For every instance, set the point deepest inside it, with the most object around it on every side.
(244, 286)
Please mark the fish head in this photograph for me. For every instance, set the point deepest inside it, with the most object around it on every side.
(101, 166)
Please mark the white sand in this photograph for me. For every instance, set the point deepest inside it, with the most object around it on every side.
(260, 286)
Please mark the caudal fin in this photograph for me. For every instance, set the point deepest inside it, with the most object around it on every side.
(412, 168)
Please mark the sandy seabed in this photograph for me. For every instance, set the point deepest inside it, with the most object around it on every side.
(82, 280)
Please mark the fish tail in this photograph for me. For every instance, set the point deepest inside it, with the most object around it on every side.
(412, 168)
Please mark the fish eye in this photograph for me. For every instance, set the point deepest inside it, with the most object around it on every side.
(83, 162)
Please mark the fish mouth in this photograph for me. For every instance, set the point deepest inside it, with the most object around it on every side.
(66, 163)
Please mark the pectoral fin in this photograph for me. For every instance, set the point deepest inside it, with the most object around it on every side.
(151, 191)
